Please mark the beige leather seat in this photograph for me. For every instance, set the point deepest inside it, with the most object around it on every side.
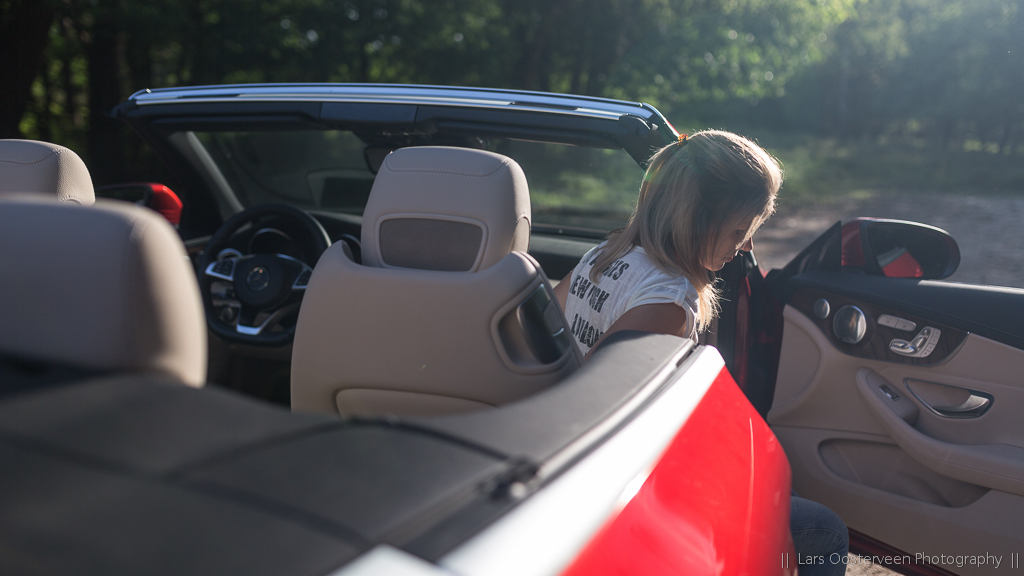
(103, 289)
(447, 313)
(27, 166)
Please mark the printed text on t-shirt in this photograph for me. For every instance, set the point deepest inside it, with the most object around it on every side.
(584, 289)
(614, 271)
(584, 332)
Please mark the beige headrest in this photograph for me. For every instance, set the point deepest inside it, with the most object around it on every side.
(40, 167)
(106, 287)
(439, 208)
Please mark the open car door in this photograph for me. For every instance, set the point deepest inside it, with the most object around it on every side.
(899, 400)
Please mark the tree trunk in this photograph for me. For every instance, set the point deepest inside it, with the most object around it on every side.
(844, 88)
(23, 39)
(104, 139)
(73, 120)
(1007, 136)
(545, 20)
(611, 41)
(584, 39)
(45, 117)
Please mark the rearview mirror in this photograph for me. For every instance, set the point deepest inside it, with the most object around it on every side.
(374, 156)
(898, 249)
(148, 194)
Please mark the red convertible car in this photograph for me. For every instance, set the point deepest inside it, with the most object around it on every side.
(360, 273)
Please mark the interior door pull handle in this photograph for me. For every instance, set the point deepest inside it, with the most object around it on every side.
(975, 405)
(971, 408)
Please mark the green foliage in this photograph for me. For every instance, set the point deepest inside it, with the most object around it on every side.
(669, 51)
(59, 106)
(578, 186)
(818, 168)
(699, 52)
(946, 73)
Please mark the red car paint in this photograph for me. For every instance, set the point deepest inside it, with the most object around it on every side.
(853, 252)
(717, 502)
(897, 264)
(901, 265)
(166, 202)
(150, 194)
(741, 357)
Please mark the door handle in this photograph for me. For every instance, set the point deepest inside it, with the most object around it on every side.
(972, 408)
(976, 404)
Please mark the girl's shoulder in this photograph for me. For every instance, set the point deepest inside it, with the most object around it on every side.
(634, 254)
(633, 267)
(638, 258)
(635, 258)
(654, 275)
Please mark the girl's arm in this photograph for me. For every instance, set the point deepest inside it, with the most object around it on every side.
(664, 318)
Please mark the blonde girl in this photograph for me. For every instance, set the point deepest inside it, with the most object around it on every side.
(701, 200)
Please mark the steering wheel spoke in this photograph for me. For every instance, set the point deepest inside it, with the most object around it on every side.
(300, 272)
(247, 319)
(224, 268)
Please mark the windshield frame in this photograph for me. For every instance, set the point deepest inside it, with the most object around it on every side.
(420, 118)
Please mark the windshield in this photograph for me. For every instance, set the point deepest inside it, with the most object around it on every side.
(333, 170)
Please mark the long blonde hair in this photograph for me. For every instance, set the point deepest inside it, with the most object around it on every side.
(691, 190)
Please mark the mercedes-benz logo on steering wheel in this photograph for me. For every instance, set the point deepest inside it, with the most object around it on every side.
(257, 279)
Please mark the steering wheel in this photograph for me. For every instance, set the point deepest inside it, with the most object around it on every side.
(268, 287)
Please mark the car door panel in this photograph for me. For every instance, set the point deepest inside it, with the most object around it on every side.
(924, 454)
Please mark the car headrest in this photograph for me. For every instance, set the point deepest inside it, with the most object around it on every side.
(440, 208)
(43, 168)
(106, 288)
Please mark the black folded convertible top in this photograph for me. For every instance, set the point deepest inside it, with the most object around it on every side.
(141, 475)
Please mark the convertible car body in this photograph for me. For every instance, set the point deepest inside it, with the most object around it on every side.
(442, 422)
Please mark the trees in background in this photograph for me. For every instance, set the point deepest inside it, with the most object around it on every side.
(24, 33)
(940, 71)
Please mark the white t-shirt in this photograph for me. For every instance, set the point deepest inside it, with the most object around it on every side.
(632, 280)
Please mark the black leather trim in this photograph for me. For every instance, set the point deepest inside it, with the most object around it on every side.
(993, 312)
